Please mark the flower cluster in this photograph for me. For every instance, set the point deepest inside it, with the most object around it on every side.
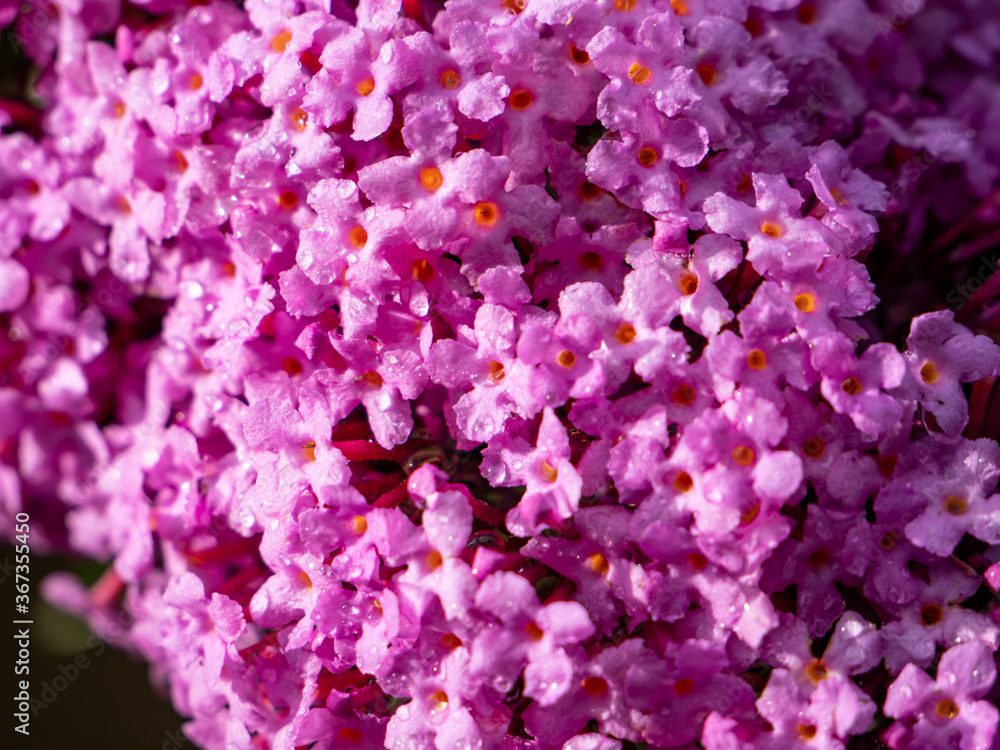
(508, 373)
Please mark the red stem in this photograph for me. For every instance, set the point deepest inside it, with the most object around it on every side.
(393, 497)
(24, 116)
(364, 450)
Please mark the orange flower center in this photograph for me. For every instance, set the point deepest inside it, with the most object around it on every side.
(771, 229)
(496, 372)
(683, 481)
(639, 73)
(683, 395)
(647, 156)
(359, 525)
(577, 55)
(520, 99)
(566, 358)
(439, 700)
(929, 373)
(288, 199)
(434, 559)
(688, 284)
(281, 40)
(744, 455)
(423, 271)
(431, 179)
(852, 386)
(956, 505)
(549, 472)
(598, 563)
(817, 671)
(757, 360)
(931, 614)
(299, 118)
(594, 686)
(450, 79)
(486, 213)
(805, 302)
(366, 86)
(707, 74)
(534, 632)
(625, 333)
(309, 451)
(946, 709)
(749, 515)
(372, 378)
(813, 447)
(358, 237)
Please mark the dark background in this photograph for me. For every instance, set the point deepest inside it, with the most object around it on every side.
(110, 705)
